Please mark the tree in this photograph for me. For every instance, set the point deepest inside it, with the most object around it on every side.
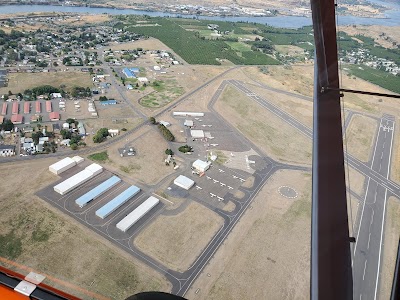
(97, 138)
(66, 134)
(169, 152)
(152, 120)
(7, 125)
(185, 149)
(74, 146)
(70, 121)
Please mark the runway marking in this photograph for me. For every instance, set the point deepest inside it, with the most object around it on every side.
(380, 248)
(376, 144)
(365, 267)
(390, 153)
(369, 239)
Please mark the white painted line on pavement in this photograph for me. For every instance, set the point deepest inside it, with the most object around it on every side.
(390, 153)
(365, 267)
(369, 239)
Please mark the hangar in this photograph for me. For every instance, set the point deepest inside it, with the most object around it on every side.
(97, 191)
(201, 166)
(117, 202)
(185, 114)
(62, 165)
(78, 179)
(184, 182)
(197, 134)
(137, 214)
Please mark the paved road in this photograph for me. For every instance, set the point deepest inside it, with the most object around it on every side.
(368, 246)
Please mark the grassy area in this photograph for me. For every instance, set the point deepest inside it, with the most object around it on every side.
(130, 168)
(19, 82)
(165, 91)
(222, 158)
(100, 156)
(177, 240)
(238, 46)
(195, 50)
(360, 136)
(258, 260)
(378, 77)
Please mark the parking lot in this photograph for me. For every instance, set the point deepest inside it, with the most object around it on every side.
(86, 215)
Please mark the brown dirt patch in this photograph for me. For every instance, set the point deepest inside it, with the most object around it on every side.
(176, 241)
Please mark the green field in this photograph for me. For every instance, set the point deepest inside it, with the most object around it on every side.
(195, 50)
(101, 156)
(238, 46)
(378, 77)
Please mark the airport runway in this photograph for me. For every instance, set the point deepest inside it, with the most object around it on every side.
(368, 246)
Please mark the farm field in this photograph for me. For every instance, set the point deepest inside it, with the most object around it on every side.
(240, 270)
(19, 82)
(27, 234)
(195, 50)
(378, 77)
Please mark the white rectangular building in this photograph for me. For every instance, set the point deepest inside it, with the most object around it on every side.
(185, 114)
(78, 159)
(137, 214)
(201, 166)
(184, 182)
(95, 169)
(197, 134)
(62, 165)
(73, 182)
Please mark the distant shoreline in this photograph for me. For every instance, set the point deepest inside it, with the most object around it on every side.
(160, 10)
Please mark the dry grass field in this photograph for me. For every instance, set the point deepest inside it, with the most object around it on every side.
(258, 260)
(278, 139)
(395, 167)
(301, 109)
(374, 32)
(19, 82)
(176, 241)
(356, 181)
(391, 239)
(360, 137)
(36, 235)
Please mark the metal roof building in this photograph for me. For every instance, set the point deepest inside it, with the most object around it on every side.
(184, 114)
(37, 106)
(78, 179)
(78, 159)
(97, 191)
(117, 202)
(197, 134)
(27, 107)
(108, 102)
(15, 108)
(201, 166)
(4, 109)
(48, 106)
(137, 214)
(73, 182)
(54, 116)
(184, 182)
(17, 119)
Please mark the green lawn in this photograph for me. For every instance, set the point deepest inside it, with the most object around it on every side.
(100, 156)
(238, 46)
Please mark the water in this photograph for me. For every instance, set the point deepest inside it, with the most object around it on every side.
(392, 16)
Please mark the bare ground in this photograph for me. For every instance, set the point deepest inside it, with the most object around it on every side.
(43, 239)
(356, 180)
(176, 241)
(360, 136)
(391, 240)
(275, 137)
(395, 167)
(258, 261)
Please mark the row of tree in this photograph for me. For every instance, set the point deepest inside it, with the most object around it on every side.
(166, 133)
(101, 135)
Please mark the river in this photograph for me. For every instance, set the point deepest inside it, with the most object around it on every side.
(392, 16)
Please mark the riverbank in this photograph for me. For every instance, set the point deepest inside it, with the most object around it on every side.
(392, 19)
